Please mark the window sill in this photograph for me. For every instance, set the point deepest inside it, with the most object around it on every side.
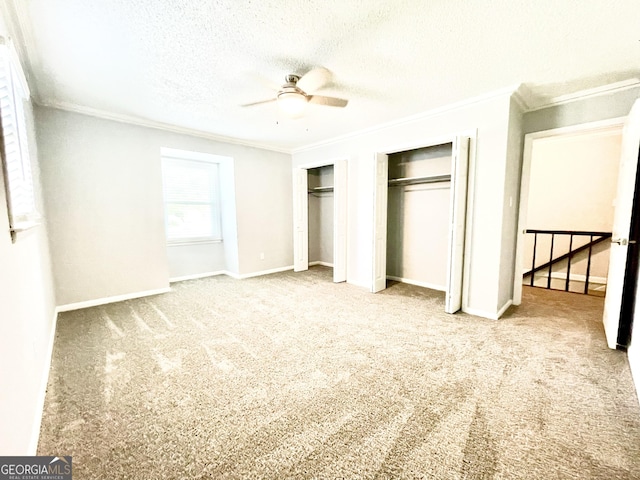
(20, 228)
(186, 242)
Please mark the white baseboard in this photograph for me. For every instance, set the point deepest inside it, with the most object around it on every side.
(42, 392)
(431, 286)
(103, 301)
(324, 264)
(480, 313)
(489, 315)
(357, 283)
(198, 275)
(259, 274)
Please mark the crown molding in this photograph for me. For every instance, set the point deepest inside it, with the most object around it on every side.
(503, 92)
(607, 89)
(143, 122)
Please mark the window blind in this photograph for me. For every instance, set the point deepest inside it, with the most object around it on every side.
(16, 161)
(192, 207)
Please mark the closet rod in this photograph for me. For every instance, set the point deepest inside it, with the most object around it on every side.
(418, 180)
(320, 189)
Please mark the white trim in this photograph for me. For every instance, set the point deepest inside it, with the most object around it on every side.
(197, 275)
(260, 273)
(409, 119)
(103, 301)
(143, 122)
(42, 392)
(431, 286)
(324, 163)
(588, 93)
(490, 316)
(355, 283)
(324, 264)
(480, 313)
(529, 138)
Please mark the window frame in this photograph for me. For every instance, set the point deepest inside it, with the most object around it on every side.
(185, 157)
(23, 215)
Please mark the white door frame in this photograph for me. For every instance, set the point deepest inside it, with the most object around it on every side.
(529, 139)
(340, 211)
(469, 173)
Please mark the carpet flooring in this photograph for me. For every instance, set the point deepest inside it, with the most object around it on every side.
(292, 376)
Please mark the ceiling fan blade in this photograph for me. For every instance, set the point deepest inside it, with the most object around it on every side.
(258, 103)
(328, 101)
(314, 79)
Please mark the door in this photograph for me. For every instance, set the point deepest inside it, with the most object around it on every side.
(379, 250)
(340, 221)
(300, 220)
(457, 218)
(622, 225)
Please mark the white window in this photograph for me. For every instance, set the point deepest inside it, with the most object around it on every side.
(191, 198)
(14, 91)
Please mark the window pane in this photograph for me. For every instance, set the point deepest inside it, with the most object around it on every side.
(189, 221)
(192, 210)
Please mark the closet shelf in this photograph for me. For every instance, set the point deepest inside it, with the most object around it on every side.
(418, 180)
(320, 189)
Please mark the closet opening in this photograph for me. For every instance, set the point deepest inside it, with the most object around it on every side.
(320, 213)
(420, 202)
(320, 204)
(418, 211)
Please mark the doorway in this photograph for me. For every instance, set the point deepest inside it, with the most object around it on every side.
(622, 270)
(573, 181)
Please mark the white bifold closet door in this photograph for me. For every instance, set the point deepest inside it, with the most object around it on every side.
(457, 219)
(380, 193)
(340, 221)
(300, 220)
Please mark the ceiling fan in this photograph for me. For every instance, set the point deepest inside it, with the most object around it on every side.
(293, 97)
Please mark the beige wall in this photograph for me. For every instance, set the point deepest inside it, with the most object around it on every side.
(102, 183)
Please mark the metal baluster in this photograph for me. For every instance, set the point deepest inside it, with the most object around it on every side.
(566, 285)
(586, 280)
(553, 235)
(533, 262)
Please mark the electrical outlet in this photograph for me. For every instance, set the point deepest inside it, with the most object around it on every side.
(261, 255)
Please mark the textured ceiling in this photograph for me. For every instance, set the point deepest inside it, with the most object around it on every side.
(191, 63)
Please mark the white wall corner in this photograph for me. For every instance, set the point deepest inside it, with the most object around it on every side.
(260, 273)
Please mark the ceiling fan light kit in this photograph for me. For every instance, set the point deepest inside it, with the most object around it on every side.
(292, 100)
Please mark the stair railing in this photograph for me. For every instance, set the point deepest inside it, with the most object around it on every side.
(594, 239)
